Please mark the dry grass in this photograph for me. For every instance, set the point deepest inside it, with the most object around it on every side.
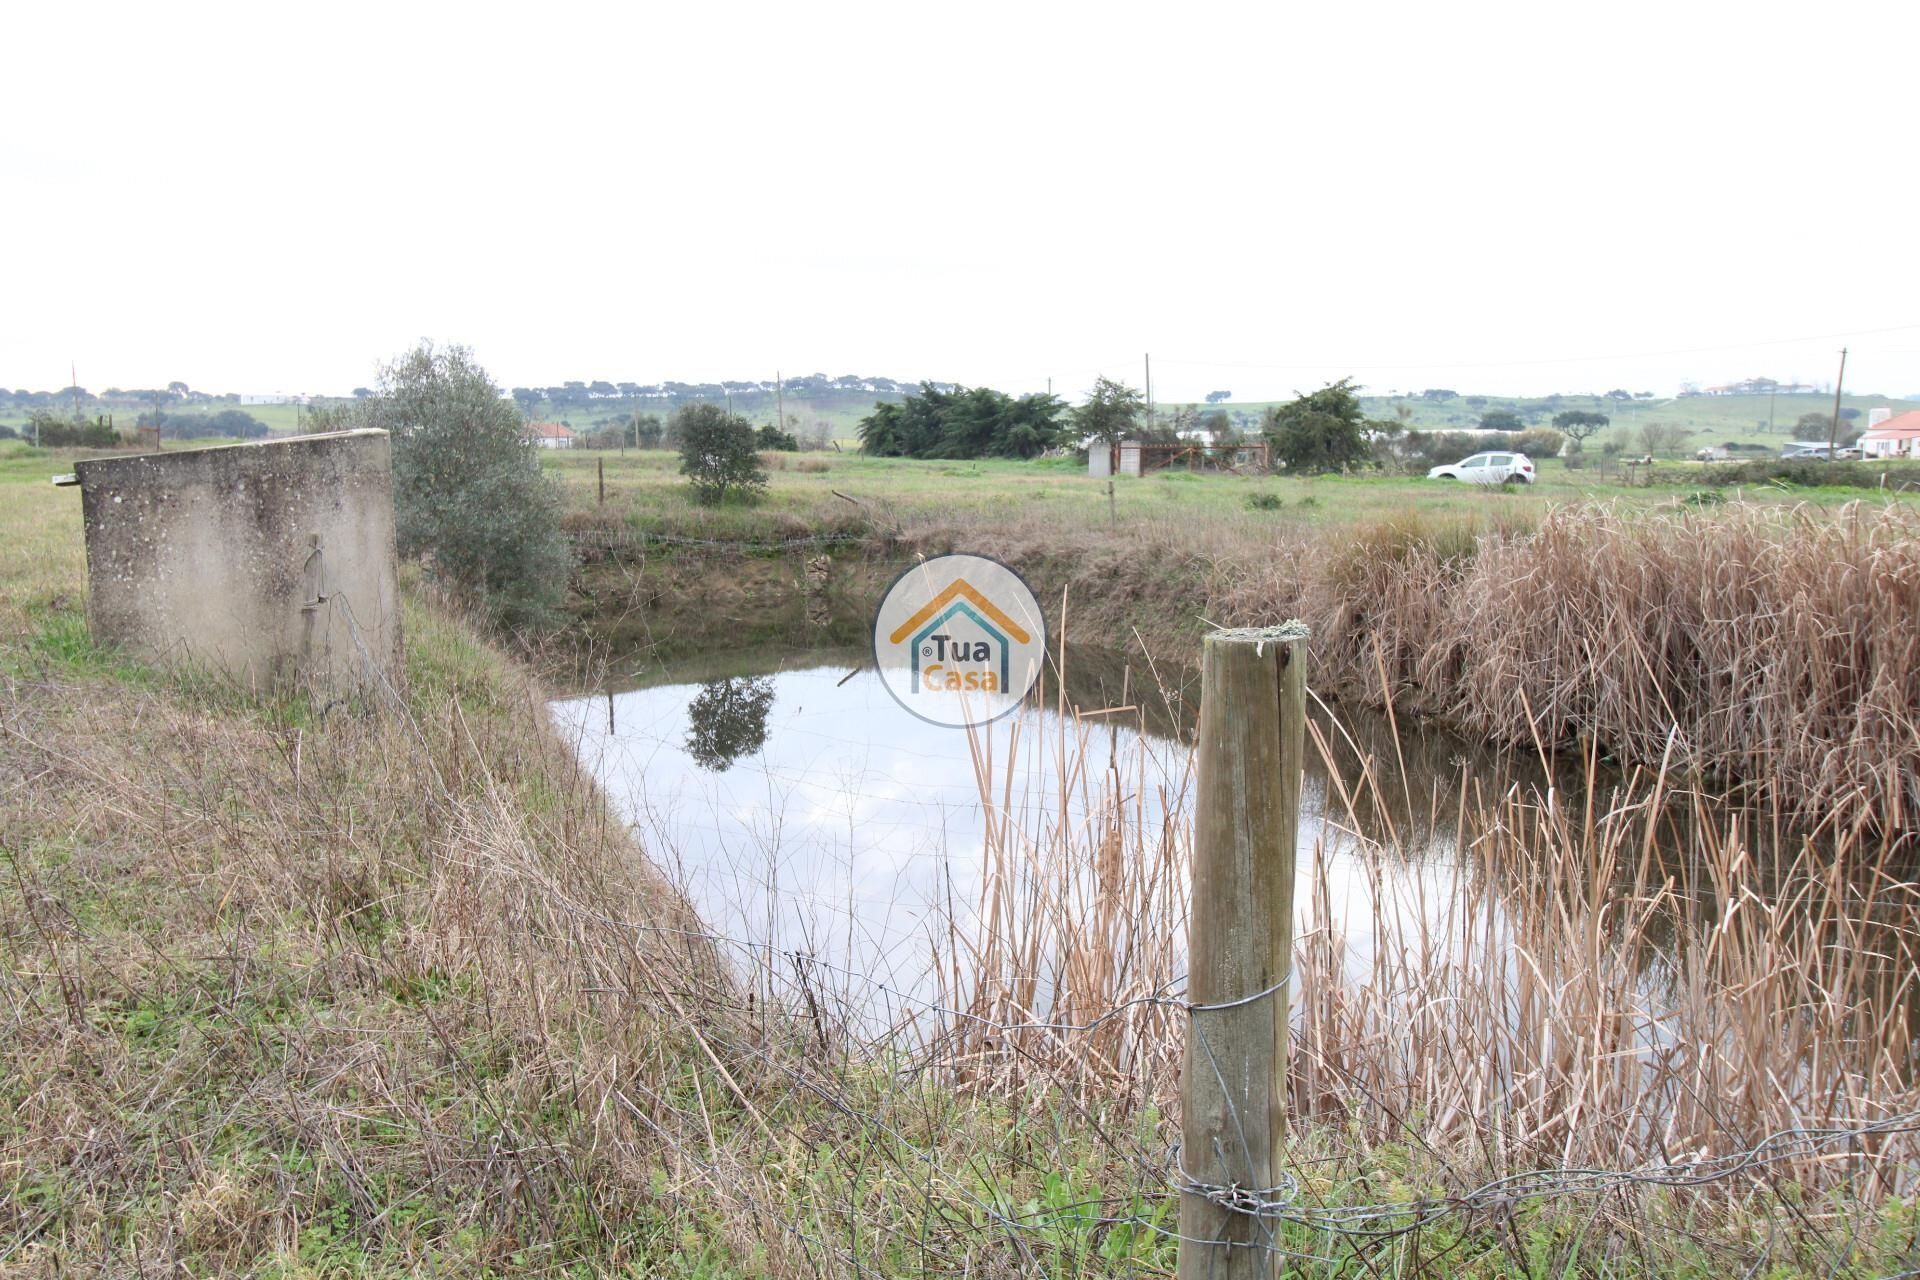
(1568, 992)
(314, 991)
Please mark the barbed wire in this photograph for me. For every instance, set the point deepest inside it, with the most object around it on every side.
(1281, 1202)
(610, 539)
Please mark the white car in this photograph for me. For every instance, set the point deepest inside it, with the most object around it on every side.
(1488, 468)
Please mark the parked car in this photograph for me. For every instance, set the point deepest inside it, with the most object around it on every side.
(1816, 452)
(1488, 468)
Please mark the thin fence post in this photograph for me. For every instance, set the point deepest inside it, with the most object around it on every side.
(600, 466)
(1240, 947)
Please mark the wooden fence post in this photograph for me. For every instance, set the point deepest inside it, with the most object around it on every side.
(600, 466)
(1240, 945)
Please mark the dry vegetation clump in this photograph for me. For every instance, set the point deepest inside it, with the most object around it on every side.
(1770, 647)
(1623, 982)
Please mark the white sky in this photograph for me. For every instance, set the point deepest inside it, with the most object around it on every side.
(1511, 198)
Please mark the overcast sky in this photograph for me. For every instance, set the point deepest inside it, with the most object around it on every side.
(1513, 198)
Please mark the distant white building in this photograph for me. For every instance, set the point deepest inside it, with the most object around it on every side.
(1895, 437)
(276, 398)
(551, 435)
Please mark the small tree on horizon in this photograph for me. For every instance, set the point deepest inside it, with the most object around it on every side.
(1578, 425)
(1111, 411)
(718, 453)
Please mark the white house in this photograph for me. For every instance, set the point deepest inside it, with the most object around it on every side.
(551, 435)
(1896, 437)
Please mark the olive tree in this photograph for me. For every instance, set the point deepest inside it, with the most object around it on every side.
(469, 497)
(718, 453)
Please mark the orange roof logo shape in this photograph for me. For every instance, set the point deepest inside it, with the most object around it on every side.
(959, 587)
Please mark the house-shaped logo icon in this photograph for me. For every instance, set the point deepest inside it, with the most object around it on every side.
(959, 640)
(959, 598)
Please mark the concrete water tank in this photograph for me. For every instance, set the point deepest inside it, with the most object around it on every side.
(269, 563)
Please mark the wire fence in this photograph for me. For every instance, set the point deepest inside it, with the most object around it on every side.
(631, 539)
(1326, 1233)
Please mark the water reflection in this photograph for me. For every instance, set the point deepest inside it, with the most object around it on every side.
(802, 808)
(727, 719)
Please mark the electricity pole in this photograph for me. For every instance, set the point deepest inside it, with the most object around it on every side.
(1833, 428)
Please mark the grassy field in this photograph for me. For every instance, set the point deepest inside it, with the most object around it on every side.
(645, 491)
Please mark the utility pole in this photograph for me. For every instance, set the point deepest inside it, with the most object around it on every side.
(780, 399)
(1833, 428)
(1771, 393)
(1149, 387)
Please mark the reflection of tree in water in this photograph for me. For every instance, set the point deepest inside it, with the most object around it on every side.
(727, 719)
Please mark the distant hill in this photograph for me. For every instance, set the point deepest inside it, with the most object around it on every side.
(1710, 419)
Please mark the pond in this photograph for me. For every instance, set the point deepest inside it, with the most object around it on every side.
(806, 814)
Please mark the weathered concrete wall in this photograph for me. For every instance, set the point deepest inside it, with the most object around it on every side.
(271, 562)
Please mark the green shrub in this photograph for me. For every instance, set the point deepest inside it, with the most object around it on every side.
(772, 437)
(468, 492)
(718, 454)
(1540, 442)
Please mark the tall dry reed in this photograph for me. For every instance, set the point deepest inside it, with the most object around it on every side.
(1607, 976)
(1773, 648)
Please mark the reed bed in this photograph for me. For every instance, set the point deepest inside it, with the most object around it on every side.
(1608, 974)
(1766, 648)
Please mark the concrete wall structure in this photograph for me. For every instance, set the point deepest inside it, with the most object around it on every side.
(1130, 457)
(271, 562)
(1099, 459)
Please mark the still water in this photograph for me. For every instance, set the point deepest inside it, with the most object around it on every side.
(802, 810)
